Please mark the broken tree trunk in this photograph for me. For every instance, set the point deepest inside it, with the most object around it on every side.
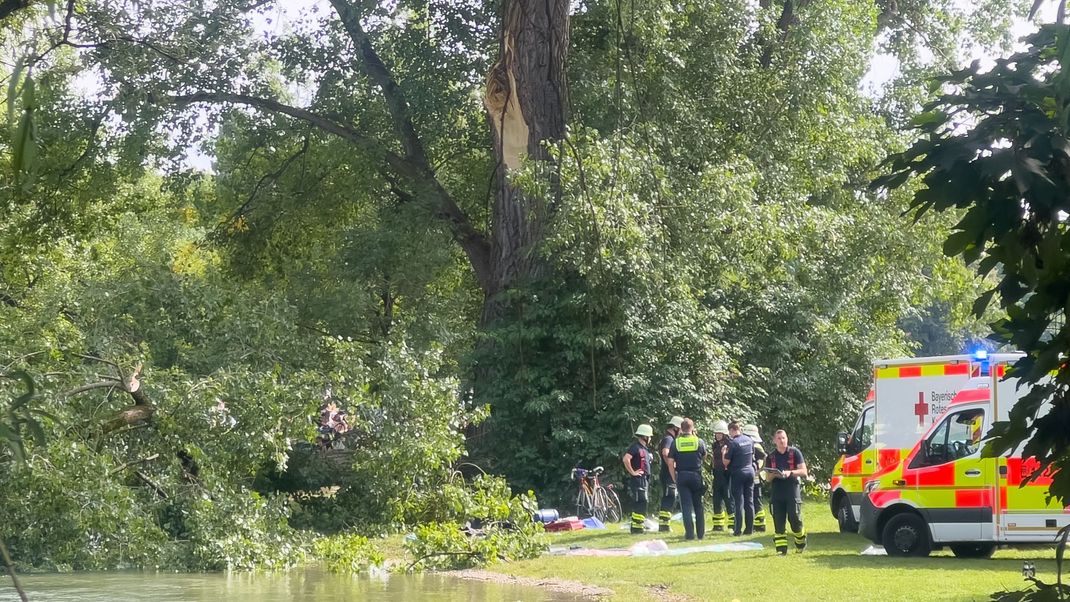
(526, 99)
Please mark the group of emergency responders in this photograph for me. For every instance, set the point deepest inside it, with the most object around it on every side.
(738, 460)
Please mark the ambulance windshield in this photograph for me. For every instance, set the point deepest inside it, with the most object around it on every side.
(862, 436)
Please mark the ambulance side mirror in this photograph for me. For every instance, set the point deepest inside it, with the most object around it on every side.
(841, 442)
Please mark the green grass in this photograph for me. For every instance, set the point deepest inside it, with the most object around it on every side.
(830, 569)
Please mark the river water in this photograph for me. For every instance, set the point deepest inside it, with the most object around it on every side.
(308, 584)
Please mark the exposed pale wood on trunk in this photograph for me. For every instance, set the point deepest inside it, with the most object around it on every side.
(526, 100)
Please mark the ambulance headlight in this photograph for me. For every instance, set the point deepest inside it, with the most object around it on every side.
(871, 486)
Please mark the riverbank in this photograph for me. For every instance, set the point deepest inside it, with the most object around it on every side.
(832, 566)
(559, 586)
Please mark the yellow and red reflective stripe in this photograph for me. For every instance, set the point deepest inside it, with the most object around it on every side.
(922, 370)
(890, 457)
(881, 498)
(1019, 470)
(973, 498)
(942, 475)
(970, 396)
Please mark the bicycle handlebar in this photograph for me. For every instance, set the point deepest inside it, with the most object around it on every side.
(579, 473)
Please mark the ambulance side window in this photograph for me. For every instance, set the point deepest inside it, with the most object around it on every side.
(958, 436)
(862, 437)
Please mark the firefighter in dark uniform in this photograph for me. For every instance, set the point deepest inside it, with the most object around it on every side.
(723, 508)
(685, 467)
(739, 458)
(637, 464)
(668, 486)
(784, 466)
(751, 430)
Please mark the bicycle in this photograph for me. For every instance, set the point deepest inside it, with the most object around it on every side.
(594, 499)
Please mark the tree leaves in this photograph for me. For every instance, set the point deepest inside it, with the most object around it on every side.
(19, 416)
(25, 140)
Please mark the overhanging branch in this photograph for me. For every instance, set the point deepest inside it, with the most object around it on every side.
(365, 143)
(377, 70)
(415, 170)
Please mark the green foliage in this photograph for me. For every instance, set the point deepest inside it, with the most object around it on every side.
(746, 273)
(995, 145)
(713, 253)
(21, 418)
(506, 530)
(241, 530)
(233, 383)
(406, 433)
(70, 512)
(347, 553)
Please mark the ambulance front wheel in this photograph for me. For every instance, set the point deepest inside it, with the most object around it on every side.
(906, 534)
(973, 550)
(845, 517)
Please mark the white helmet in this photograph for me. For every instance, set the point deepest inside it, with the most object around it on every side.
(644, 430)
(676, 421)
(751, 430)
(720, 427)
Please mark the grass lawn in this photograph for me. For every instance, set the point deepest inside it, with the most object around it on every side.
(830, 569)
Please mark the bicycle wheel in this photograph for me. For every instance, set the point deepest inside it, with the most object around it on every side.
(584, 504)
(613, 511)
(618, 509)
(601, 505)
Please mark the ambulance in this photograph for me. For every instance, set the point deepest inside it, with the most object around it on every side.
(944, 493)
(906, 395)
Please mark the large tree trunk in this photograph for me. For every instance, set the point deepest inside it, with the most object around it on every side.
(526, 100)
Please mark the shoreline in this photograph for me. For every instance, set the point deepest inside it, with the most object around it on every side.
(550, 584)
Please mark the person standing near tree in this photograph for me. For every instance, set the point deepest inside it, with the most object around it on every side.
(739, 458)
(784, 467)
(685, 466)
(637, 464)
(668, 485)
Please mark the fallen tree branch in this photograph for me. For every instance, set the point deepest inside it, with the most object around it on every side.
(127, 429)
(134, 462)
(103, 361)
(82, 389)
(435, 554)
(134, 415)
(155, 487)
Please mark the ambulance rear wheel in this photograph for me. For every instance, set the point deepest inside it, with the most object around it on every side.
(973, 550)
(906, 534)
(845, 517)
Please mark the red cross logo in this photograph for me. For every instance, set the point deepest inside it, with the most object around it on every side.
(921, 409)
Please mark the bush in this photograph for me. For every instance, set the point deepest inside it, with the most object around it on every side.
(347, 553)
